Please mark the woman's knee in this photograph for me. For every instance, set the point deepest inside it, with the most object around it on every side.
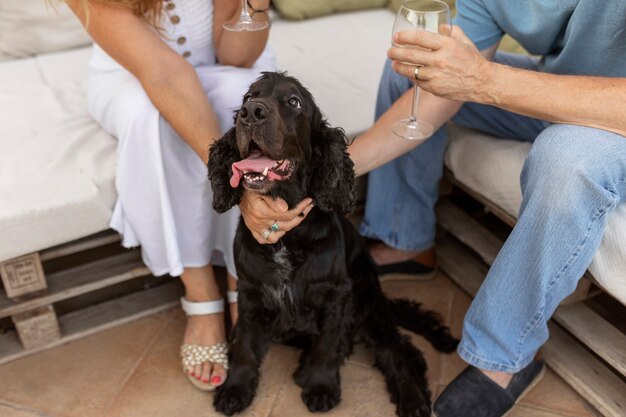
(120, 106)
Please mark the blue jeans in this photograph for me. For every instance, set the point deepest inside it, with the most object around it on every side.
(573, 178)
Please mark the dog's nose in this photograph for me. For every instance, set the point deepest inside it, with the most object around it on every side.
(254, 112)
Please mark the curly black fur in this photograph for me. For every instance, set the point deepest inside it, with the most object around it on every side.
(222, 155)
(317, 287)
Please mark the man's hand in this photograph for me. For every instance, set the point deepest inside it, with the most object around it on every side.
(260, 212)
(450, 67)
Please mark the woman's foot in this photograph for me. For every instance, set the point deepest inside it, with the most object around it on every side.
(204, 330)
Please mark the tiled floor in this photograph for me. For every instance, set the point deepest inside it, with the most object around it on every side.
(133, 371)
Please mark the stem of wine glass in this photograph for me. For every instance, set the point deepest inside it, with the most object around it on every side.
(416, 97)
(245, 14)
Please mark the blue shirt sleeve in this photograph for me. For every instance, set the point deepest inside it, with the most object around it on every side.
(477, 23)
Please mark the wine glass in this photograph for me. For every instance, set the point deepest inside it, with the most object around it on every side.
(245, 22)
(433, 16)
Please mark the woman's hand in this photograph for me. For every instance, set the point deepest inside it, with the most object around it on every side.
(260, 212)
(239, 49)
(450, 67)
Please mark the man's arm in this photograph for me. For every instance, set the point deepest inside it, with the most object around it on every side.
(454, 70)
(580, 100)
(378, 145)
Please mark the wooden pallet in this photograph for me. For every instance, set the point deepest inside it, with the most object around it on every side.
(31, 301)
(590, 355)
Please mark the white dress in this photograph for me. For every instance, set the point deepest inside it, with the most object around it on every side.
(164, 197)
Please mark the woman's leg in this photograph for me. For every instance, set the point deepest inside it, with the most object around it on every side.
(204, 330)
(164, 202)
(199, 231)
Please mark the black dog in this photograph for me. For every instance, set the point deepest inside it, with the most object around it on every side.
(317, 286)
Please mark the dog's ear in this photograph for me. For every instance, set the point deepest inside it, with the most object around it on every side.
(332, 179)
(224, 153)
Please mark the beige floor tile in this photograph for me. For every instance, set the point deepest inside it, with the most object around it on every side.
(173, 314)
(80, 378)
(460, 305)
(435, 294)
(554, 394)
(525, 411)
(13, 411)
(437, 390)
(363, 395)
(452, 365)
(159, 388)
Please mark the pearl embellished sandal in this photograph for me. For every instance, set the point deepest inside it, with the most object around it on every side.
(191, 354)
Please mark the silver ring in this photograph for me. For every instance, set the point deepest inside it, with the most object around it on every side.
(275, 227)
(266, 234)
(416, 73)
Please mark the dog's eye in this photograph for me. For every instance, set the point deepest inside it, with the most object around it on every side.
(295, 102)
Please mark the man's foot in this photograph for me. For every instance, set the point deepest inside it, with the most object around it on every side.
(501, 378)
(398, 265)
(474, 394)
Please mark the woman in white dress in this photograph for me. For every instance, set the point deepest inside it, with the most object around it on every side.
(164, 79)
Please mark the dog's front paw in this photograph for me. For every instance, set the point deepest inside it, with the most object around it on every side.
(413, 409)
(411, 400)
(321, 397)
(232, 399)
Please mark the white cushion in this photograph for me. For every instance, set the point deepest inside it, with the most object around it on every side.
(339, 58)
(492, 167)
(56, 165)
(30, 27)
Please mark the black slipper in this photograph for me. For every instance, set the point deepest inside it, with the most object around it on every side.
(409, 270)
(473, 394)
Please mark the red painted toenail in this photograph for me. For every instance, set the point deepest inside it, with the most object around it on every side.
(216, 379)
(193, 374)
(205, 380)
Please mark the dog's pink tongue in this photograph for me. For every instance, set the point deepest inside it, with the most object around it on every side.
(256, 162)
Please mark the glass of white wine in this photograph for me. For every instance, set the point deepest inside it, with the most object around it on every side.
(245, 22)
(433, 16)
